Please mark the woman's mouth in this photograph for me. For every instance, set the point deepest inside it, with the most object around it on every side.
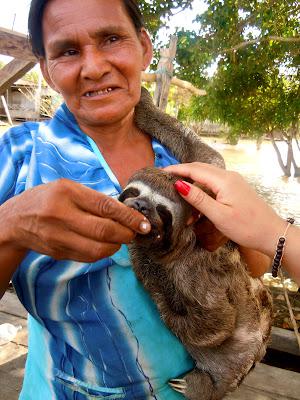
(96, 93)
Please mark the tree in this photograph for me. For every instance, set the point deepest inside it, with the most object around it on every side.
(157, 13)
(256, 87)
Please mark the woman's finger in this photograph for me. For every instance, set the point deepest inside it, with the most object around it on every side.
(98, 228)
(205, 174)
(200, 200)
(104, 206)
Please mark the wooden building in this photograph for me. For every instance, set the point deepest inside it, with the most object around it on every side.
(28, 101)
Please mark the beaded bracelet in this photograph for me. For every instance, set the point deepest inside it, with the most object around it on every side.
(276, 264)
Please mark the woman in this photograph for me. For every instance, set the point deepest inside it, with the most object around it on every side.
(239, 213)
(93, 331)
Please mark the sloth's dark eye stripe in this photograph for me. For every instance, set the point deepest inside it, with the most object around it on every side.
(167, 220)
(164, 214)
(130, 192)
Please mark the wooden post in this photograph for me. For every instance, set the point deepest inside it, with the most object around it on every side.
(38, 96)
(6, 110)
(164, 74)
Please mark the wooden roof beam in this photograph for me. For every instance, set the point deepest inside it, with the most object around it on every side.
(13, 71)
(15, 45)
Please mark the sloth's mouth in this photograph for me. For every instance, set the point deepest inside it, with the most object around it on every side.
(153, 216)
(156, 233)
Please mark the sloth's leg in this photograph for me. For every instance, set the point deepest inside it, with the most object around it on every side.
(197, 385)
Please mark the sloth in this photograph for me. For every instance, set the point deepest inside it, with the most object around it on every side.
(221, 315)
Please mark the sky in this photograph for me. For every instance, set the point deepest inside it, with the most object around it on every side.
(14, 15)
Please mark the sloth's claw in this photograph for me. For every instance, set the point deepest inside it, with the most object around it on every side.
(178, 384)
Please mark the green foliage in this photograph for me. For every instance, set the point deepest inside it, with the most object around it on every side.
(157, 13)
(32, 76)
(256, 87)
(192, 61)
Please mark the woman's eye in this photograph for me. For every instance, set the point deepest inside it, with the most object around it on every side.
(113, 38)
(70, 52)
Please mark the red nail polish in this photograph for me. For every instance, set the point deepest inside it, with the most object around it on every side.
(182, 187)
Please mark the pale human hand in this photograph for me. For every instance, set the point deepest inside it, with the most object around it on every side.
(238, 212)
(66, 220)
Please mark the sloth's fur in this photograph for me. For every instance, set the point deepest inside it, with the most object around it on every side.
(221, 315)
(182, 141)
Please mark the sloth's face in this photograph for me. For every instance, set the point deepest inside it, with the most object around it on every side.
(151, 192)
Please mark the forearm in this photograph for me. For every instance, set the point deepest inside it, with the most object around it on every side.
(257, 262)
(10, 254)
(10, 259)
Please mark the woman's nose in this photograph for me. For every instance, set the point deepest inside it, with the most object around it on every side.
(94, 64)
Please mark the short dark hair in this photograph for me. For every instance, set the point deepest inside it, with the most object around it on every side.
(35, 20)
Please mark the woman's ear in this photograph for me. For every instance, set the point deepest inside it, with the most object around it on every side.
(45, 73)
(147, 48)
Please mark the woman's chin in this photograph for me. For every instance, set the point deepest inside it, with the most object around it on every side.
(99, 111)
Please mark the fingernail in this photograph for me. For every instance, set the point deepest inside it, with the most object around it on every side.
(182, 187)
(145, 226)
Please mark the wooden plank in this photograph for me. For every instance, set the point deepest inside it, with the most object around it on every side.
(10, 304)
(284, 340)
(6, 111)
(268, 383)
(12, 71)
(15, 45)
(11, 351)
(11, 378)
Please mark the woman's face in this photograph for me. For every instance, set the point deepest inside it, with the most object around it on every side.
(94, 58)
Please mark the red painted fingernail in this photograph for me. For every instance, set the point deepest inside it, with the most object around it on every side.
(182, 187)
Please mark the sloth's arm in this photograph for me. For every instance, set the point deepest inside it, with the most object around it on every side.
(202, 326)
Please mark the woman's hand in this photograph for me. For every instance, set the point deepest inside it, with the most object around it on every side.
(238, 212)
(66, 220)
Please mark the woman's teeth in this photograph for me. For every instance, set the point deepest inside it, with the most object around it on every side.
(98, 92)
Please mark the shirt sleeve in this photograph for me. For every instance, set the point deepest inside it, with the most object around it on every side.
(15, 151)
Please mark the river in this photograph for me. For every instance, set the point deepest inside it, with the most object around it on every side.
(261, 169)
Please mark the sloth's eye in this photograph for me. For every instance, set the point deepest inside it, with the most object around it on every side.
(165, 215)
(128, 193)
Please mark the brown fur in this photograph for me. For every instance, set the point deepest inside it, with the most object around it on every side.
(182, 141)
(221, 314)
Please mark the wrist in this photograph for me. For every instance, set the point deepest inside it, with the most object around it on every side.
(9, 229)
(277, 259)
(269, 239)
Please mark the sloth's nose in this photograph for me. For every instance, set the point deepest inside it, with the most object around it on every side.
(142, 206)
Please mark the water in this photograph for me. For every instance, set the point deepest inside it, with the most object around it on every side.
(261, 169)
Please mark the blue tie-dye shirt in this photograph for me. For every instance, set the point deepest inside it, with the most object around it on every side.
(93, 331)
